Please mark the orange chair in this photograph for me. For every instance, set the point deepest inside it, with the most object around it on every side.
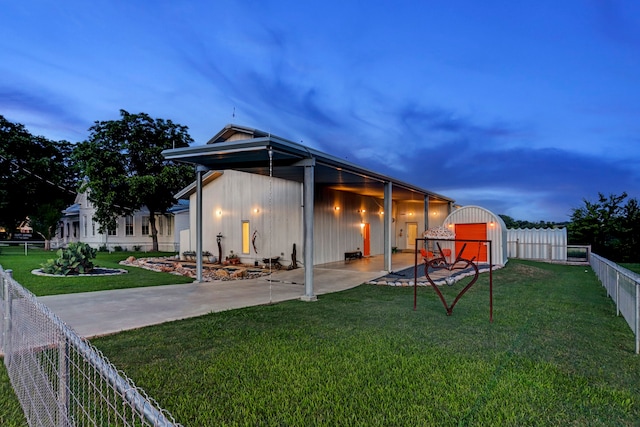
(447, 254)
(427, 255)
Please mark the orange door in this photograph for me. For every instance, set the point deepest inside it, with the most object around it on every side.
(473, 249)
(366, 244)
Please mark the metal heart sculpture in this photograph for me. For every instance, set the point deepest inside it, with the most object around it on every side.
(441, 263)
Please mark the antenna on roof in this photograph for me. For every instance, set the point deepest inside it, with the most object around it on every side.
(234, 113)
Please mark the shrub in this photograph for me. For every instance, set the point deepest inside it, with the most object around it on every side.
(103, 248)
(118, 249)
(74, 259)
(137, 248)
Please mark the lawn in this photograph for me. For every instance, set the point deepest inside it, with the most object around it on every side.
(635, 267)
(12, 257)
(556, 354)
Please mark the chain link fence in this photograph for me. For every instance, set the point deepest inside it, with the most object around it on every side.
(59, 378)
(622, 286)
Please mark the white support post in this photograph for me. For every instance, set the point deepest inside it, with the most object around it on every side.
(308, 195)
(200, 170)
(388, 214)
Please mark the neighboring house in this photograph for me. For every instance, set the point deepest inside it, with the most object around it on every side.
(262, 194)
(132, 231)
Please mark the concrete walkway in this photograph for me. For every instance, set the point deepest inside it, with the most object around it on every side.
(106, 312)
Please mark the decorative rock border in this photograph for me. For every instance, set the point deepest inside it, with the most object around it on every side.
(98, 273)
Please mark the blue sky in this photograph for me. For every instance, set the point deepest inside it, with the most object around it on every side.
(525, 108)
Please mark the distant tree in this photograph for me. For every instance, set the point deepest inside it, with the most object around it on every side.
(125, 170)
(516, 223)
(609, 225)
(36, 179)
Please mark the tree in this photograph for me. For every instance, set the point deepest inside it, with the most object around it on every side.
(36, 179)
(517, 223)
(609, 225)
(124, 168)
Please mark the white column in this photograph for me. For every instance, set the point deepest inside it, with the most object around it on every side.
(388, 214)
(200, 170)
(308, 191)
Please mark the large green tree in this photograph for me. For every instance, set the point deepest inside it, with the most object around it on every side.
(124, 168)
(609, 225)
(36, 179)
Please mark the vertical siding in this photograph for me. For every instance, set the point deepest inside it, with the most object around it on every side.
(340, 231)
(540, 244)
(233, 197)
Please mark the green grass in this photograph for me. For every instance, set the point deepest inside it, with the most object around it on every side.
(635, 267)
(10, 412)
(14, 258)
(556, 354)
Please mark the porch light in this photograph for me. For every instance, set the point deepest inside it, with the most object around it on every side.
(256, 210)
(381, 212)
(491, 224)
(450, 225)
(219, 212)
(361, 210)
(337, 208)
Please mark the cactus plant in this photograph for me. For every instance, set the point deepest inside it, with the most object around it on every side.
(74, 259)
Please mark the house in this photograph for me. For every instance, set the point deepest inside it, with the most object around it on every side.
(132, 232)
(258, 195)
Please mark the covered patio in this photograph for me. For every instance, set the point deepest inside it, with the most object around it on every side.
(269, 155)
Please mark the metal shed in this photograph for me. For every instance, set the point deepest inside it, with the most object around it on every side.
(477, 223)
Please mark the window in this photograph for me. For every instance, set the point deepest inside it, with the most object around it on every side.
(113, 231)
(160, 221)
(245, 237)
(169, 225)
(128, 225)
(85, 225)
(144, 228)
(93, 227)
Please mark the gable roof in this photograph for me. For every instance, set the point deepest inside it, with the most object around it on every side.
(254, 151)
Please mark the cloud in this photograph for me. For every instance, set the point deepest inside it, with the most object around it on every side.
(39, 114)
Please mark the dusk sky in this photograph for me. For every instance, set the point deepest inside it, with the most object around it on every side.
(522, 107)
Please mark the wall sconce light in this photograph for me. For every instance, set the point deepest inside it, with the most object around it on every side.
(361, 210)
(450, 225)
(381, 212)
(435, 214)
(256, 210)
(410, 213)
(337, 208)
(491, 224)
(219, 212)
(362, 225)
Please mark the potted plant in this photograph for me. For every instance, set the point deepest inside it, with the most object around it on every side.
(232, 258)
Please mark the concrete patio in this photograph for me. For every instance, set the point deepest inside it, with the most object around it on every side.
(106, 312)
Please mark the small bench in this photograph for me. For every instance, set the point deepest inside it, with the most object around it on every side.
(348, 256)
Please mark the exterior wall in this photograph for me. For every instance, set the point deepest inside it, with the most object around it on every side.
(497, 232)
(549, 244)
(81, 227)
(272, 206)
(339, 231)
(233, 197)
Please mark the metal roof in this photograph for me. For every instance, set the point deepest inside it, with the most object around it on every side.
(252, 155)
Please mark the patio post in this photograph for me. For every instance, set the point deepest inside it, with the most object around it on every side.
(388, 214)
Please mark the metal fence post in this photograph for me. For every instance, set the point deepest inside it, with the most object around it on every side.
(617, 293)
(63, 382)
(6, 333)
(637, 320)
